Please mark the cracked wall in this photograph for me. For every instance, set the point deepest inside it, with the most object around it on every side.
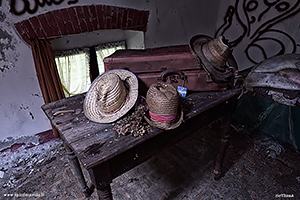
(8, 53)
(20, 95)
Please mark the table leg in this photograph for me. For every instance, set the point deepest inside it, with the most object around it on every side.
(105, 193)
(78, 172)
(101, 178)
(226, 122)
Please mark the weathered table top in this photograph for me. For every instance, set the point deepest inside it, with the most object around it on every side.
(95, 143)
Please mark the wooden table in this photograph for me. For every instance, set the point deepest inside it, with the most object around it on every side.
(107, 155)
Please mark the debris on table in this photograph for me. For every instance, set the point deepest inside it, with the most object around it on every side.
(134, 123)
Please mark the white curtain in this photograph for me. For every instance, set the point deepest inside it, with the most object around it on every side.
(73, 69)
(105, 50)
(73, 66)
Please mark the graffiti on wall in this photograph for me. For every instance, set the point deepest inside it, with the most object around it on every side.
(256, 21)
(19, 7)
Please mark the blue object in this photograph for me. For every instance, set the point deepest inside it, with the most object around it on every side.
(182, 91)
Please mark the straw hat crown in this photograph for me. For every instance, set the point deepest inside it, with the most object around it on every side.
(215, 56)
(162, 99)
(163, 102)
(111, 95)
(217, 52)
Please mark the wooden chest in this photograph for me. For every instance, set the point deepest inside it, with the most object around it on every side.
(174, 65)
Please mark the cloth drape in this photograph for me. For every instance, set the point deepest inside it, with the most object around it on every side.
(105, 50)
(46, 71)
(74, 71)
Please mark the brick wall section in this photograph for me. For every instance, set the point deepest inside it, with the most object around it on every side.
(81, 19)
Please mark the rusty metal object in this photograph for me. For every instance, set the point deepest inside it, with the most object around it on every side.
(281, 72)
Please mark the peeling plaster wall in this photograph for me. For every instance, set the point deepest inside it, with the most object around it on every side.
(20, 96)
(8, 44)
(171, 22)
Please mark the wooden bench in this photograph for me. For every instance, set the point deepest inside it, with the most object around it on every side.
(107, 155)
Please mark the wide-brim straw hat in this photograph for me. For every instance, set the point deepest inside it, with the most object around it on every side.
(163, 100)
(110, 96)
(214, 55)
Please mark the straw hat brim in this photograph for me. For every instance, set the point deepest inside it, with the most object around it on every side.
(90, 108)
(196, 44)
(163, 125)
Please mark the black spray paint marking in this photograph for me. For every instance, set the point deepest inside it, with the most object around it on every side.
(32, 7)
(35, 95)
(23, 107)
(30, 113)
(252, 12)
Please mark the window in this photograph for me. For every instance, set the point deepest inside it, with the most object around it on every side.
(73, 70)
(105, 50)
(74, 66)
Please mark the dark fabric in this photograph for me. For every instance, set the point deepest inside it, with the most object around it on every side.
(273, 118)
(47, 73)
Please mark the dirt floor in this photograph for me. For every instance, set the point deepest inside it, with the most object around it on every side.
(256, 167)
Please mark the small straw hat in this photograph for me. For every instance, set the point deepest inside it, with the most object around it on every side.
(111, 95)
(213, 55)
(163, 102)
